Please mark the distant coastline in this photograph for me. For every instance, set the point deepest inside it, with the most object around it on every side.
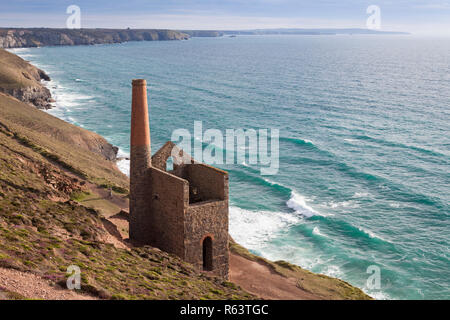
(292, 31)
(40, 37)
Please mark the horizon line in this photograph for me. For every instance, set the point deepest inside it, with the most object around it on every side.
(213, 29)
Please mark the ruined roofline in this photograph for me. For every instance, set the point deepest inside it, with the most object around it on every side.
(159, 157)
(186, 182)
(170, 174)
(223, 172)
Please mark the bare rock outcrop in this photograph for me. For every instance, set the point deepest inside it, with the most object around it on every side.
(38, 96)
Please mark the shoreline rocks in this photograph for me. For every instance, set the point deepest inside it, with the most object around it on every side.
(38, 96)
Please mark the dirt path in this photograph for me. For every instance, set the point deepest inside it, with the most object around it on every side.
(119, 201)
(34, 287)
(259, 280)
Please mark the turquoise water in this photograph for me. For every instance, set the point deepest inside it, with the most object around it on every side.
(364, 140)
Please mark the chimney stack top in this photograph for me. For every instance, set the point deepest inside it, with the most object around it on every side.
(139, 82)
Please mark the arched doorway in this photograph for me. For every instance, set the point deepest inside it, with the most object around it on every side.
(207, 254)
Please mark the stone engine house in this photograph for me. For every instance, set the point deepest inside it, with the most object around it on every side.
(184, 210)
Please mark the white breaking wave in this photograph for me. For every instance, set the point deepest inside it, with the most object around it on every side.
(18, 51)
(298, 203)
(254, 229)
(65, 99)
(25, 56)
(274, 183)
(316, 231)
(333, 271)
(74, 121)
(124, 163)
(376, 294)
(343, 204)
(372, 235)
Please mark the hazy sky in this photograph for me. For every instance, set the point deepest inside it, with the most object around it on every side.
(416, 16)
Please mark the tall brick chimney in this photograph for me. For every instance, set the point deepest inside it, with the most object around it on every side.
(140, 157)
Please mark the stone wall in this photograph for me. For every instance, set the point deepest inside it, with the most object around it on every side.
(211, 183)
(166, 199)
(170, 149)
(208, 219)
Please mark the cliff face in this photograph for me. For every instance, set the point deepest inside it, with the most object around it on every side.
(23, 81)
(39, 96)
(22, 38)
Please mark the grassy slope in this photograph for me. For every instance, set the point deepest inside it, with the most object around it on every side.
(318, 284)
(59, 141)
(16, 73)
(43, 232)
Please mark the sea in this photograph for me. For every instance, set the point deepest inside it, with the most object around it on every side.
(362, 192)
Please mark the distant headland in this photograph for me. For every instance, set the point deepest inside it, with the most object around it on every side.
(40, 37)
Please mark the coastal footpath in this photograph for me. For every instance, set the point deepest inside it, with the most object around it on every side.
(40, 37)
(63, 202)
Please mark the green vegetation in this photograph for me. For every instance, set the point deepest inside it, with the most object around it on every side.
(54, 235)
(93, 200)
